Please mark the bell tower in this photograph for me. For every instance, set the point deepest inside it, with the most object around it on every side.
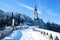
(35, 13)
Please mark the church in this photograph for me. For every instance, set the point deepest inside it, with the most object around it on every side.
(37, 21)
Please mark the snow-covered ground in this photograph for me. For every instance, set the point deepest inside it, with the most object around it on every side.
(32, 34)
(15, 35)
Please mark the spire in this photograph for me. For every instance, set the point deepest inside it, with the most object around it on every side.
(35, 8)
(35, 13)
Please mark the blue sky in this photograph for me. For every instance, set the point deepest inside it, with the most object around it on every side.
(47, 9)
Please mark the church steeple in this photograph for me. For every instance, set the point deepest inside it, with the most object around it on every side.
(35, 13)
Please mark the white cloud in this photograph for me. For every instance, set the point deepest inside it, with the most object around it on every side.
(28, 7)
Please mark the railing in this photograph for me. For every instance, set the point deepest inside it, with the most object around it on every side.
(46, 33)
(49, 34)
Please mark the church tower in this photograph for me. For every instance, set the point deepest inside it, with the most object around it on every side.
(36, 20)
(35, 13)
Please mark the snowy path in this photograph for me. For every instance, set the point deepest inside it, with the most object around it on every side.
(30, 34)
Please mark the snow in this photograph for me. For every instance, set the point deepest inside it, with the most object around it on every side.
(16, 35)
(54, 34)
(37, 35)
(32, 34)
